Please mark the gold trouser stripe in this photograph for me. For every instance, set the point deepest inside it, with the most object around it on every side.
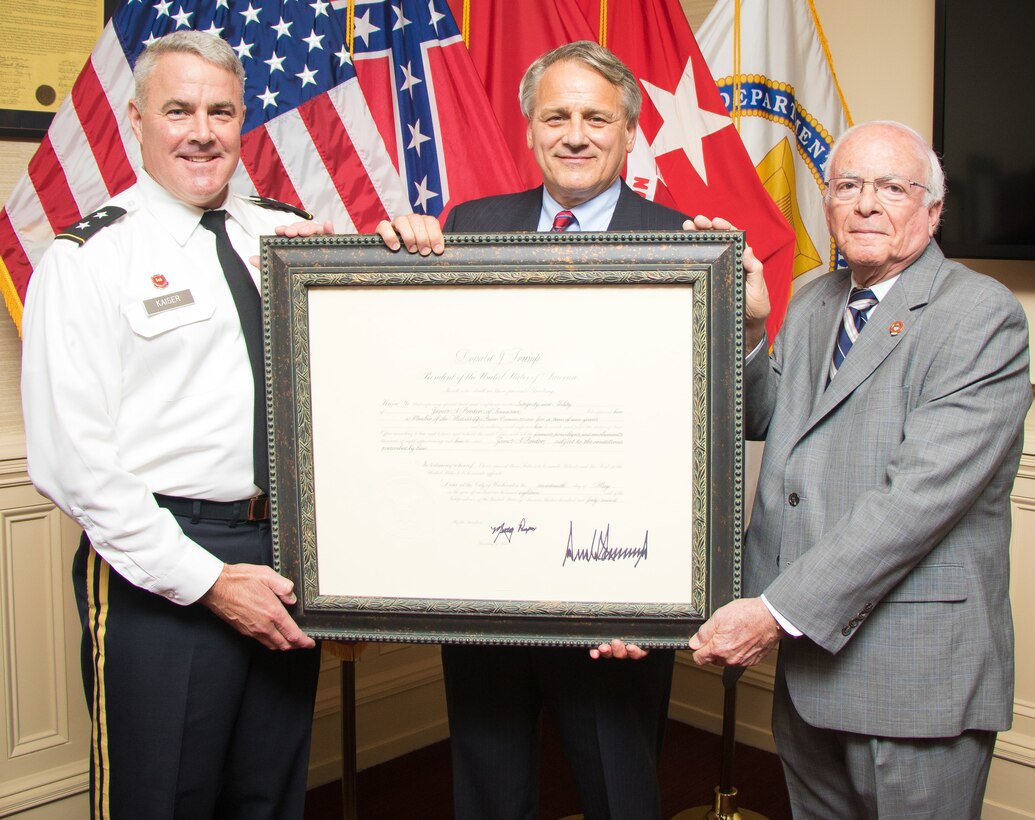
(97, 576)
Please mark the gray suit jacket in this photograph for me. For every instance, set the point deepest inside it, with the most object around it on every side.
(881, 524)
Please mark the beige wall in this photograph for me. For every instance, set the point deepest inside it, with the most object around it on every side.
(400, 704)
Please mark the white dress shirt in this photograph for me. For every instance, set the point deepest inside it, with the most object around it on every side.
(124, 398)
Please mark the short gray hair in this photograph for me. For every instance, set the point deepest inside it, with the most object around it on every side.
(208, 47)
(935, 181)
(593, 56)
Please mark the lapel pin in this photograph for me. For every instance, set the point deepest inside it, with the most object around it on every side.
(159, 281)
(895, 328)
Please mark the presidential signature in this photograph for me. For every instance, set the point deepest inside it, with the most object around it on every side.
(600, 548)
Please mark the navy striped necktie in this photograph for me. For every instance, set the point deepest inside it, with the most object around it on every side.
(860, 300)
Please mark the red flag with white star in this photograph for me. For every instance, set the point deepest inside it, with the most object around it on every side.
(688, 153)
(698, 153)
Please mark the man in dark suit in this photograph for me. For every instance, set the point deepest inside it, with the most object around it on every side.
(582, 104)
(892, 408)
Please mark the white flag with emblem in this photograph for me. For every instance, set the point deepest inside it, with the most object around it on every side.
(775, 74)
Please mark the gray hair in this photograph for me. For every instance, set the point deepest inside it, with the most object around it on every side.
(593, 56)
(208, 47)
(935, 181)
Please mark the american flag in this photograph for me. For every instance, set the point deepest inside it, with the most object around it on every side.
(309, 137)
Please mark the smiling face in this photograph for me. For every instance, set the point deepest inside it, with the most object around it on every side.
(189, 128)
(578, 132)
(880, 240)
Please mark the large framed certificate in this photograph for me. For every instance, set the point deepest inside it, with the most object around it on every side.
(531, 439)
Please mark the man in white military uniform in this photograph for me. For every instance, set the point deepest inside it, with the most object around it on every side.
(142, 424)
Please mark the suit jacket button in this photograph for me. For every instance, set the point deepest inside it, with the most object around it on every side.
(793, 499)
(846, 631)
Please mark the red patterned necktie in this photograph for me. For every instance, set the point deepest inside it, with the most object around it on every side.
(562, 221)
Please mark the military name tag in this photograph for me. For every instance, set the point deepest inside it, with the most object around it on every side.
(169, 301)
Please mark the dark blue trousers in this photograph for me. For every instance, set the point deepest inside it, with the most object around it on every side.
(191, 720)
(610, 715)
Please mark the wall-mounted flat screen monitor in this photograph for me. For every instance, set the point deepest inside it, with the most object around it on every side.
(984, 126)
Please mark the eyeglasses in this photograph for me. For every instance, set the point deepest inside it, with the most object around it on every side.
(889, 190)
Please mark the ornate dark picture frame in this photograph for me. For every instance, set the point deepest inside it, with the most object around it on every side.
(685, 291)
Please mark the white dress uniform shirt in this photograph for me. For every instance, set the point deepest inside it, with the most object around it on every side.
(125, 396)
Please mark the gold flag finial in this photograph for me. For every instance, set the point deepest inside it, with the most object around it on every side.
(350, 27)
(735, 90)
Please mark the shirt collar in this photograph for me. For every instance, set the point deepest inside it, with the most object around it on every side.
(880, 290)
(175, 215)
(593, 214)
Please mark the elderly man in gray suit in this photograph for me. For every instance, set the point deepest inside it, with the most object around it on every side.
(892, 408)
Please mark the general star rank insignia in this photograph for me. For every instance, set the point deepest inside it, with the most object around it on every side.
(159, 281)
(91, 224)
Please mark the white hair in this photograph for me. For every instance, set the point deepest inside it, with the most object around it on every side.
(935, 181)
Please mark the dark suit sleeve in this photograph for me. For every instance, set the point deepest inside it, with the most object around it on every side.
(505, 212)
(450, 226)
(635, 213)
(761, 382)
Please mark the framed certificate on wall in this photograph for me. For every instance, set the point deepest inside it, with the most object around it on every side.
(531, 439)
(46, 43)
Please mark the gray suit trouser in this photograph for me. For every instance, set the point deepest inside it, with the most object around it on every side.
(849, 776)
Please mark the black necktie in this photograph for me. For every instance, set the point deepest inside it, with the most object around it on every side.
(249, 309)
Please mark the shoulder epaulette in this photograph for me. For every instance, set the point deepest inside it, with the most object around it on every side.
(277, 205)
(91, 223)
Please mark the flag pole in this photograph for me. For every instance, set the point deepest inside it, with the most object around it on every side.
(725, 806)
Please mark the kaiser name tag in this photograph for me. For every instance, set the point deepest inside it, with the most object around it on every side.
(169, 301)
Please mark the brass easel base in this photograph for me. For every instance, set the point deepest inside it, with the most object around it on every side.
(725, 808)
